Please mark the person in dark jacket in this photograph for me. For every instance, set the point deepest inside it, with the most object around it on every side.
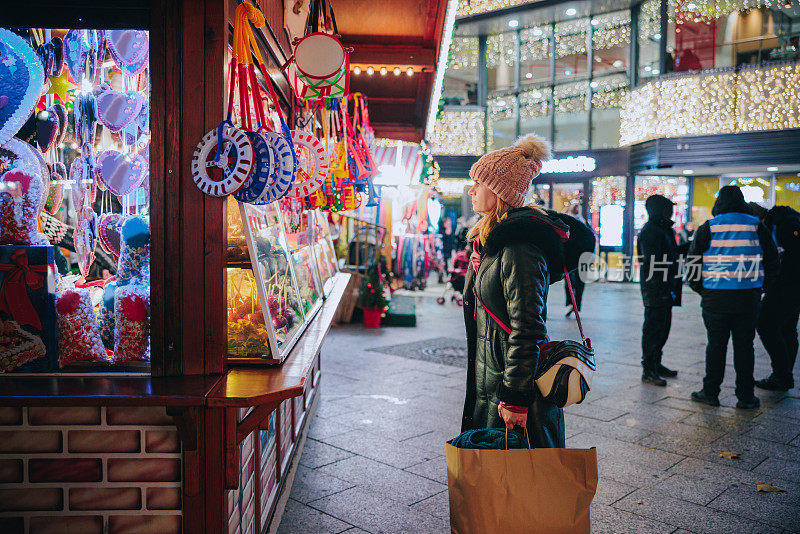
(577, 283)
(517, 253)
(739, 260)
(660, 284)
(780, 307)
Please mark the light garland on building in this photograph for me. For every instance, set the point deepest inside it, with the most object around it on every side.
(707, 11)
(457, 133)
(649, 20)
(464, 52)
(713, 103)
(609, 99)
(500, 48)
(429, 175)
(571, 38)
(606, 38)
(607, 190)
(474, 7)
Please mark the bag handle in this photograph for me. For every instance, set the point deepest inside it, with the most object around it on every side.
(585, 340)
(527, 438)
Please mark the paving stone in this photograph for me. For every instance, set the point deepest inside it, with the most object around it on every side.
(770, 428)
(610, 491)
(316, 454)
(300, 519)
(321, 428)
(390, 482)
(377, 514)
(437, 506)
(780, 510)
(397, 454)
(592, 411)
(434, 469)
(608, 520)
(695, 490)
(662, 507)
(311, 484)
(775, 467)
(609, 449)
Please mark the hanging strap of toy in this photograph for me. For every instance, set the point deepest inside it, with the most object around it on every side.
(567, 280)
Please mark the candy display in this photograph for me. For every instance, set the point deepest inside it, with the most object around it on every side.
(20, 200)
(105, 316)
(78, 333)
(131, 324)
(134, 259)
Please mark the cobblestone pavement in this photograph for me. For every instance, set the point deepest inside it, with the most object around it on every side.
(374, 457)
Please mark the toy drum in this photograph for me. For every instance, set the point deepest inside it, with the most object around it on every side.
(320, 67)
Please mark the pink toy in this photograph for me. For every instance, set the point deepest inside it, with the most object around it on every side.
(132, 324)
(20, 199)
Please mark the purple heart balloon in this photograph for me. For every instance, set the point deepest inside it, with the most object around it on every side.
(109, 233)
(80, 189)
(81, 47)
(47, 126)
(129, 48)
(60, 111)
(117, 109)
(121, 173)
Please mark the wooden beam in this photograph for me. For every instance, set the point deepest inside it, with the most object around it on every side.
(387, 54)
(399, 131)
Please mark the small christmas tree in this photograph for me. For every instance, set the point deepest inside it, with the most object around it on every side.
(371, 295)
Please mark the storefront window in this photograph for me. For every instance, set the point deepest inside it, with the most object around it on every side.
(756, 189)
(674, 188)
(566, 194)
(704, 35)
(572, 116)
(539, 195)
(461, 81)
(611, 38)
(501, 58)
(704, 193)
(502, 122)
(534, 112)
(649, 38)
(535, 55)
(607, 209)
(571, 57)
(787, 191)
(608, 94)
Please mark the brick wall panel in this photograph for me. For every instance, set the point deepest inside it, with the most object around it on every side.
(138, 415)
(30, 499)
(162, 441)
(143, 470)
(105, 499)
(12, 524)
(65, 470)
(144, 524)
(10, 471)
(163, 498)
(10, 416)
(83, 524)
(103, 441)
(26, 441)
(83, 415)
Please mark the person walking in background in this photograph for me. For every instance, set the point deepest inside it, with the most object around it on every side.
(780, 307)
(686, 234)
(578, 285)
(739, 259)
(660, 284)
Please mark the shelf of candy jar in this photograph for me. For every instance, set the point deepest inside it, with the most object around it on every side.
(74, 163)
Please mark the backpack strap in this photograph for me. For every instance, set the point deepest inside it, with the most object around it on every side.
(585, 340)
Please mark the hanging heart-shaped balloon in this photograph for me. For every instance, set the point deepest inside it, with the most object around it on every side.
(84, 189)
(117, 110)
(52, 56)
(47, 127)
(121, 173)
(129, 48)
(143, 119)
(60, 112)
(21, 79)
(55, 195)
(86, 116)
(109, 233)
(81, 51)
(85, 240)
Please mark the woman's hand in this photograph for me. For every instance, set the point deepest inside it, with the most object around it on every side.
(513, 419)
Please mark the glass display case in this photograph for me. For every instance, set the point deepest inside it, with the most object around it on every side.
(277, 271)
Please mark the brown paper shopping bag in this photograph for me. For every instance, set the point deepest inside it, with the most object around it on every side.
(520, 490)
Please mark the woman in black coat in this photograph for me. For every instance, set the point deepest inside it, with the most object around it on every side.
(517, 253)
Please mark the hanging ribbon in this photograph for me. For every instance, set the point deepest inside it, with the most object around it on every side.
(14, 298)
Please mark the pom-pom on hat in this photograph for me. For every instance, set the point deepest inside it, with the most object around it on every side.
(508, 172)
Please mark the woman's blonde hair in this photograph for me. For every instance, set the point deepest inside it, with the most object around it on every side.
(489, 221)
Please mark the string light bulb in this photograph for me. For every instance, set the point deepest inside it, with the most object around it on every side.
(410, 71)
(383, 71)
(357, 71)
(397, 71)
(370, 71)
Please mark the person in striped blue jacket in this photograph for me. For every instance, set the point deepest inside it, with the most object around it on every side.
(739, 261)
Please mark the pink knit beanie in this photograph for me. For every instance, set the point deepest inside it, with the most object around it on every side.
(508, 172)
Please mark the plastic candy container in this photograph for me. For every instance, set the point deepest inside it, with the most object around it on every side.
(20, 196)
(134, 259)
(132, 324)
(105, 316)
(78, 334)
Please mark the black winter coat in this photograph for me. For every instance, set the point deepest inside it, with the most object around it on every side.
(522, 256)
(660, 281)
(784, 223)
